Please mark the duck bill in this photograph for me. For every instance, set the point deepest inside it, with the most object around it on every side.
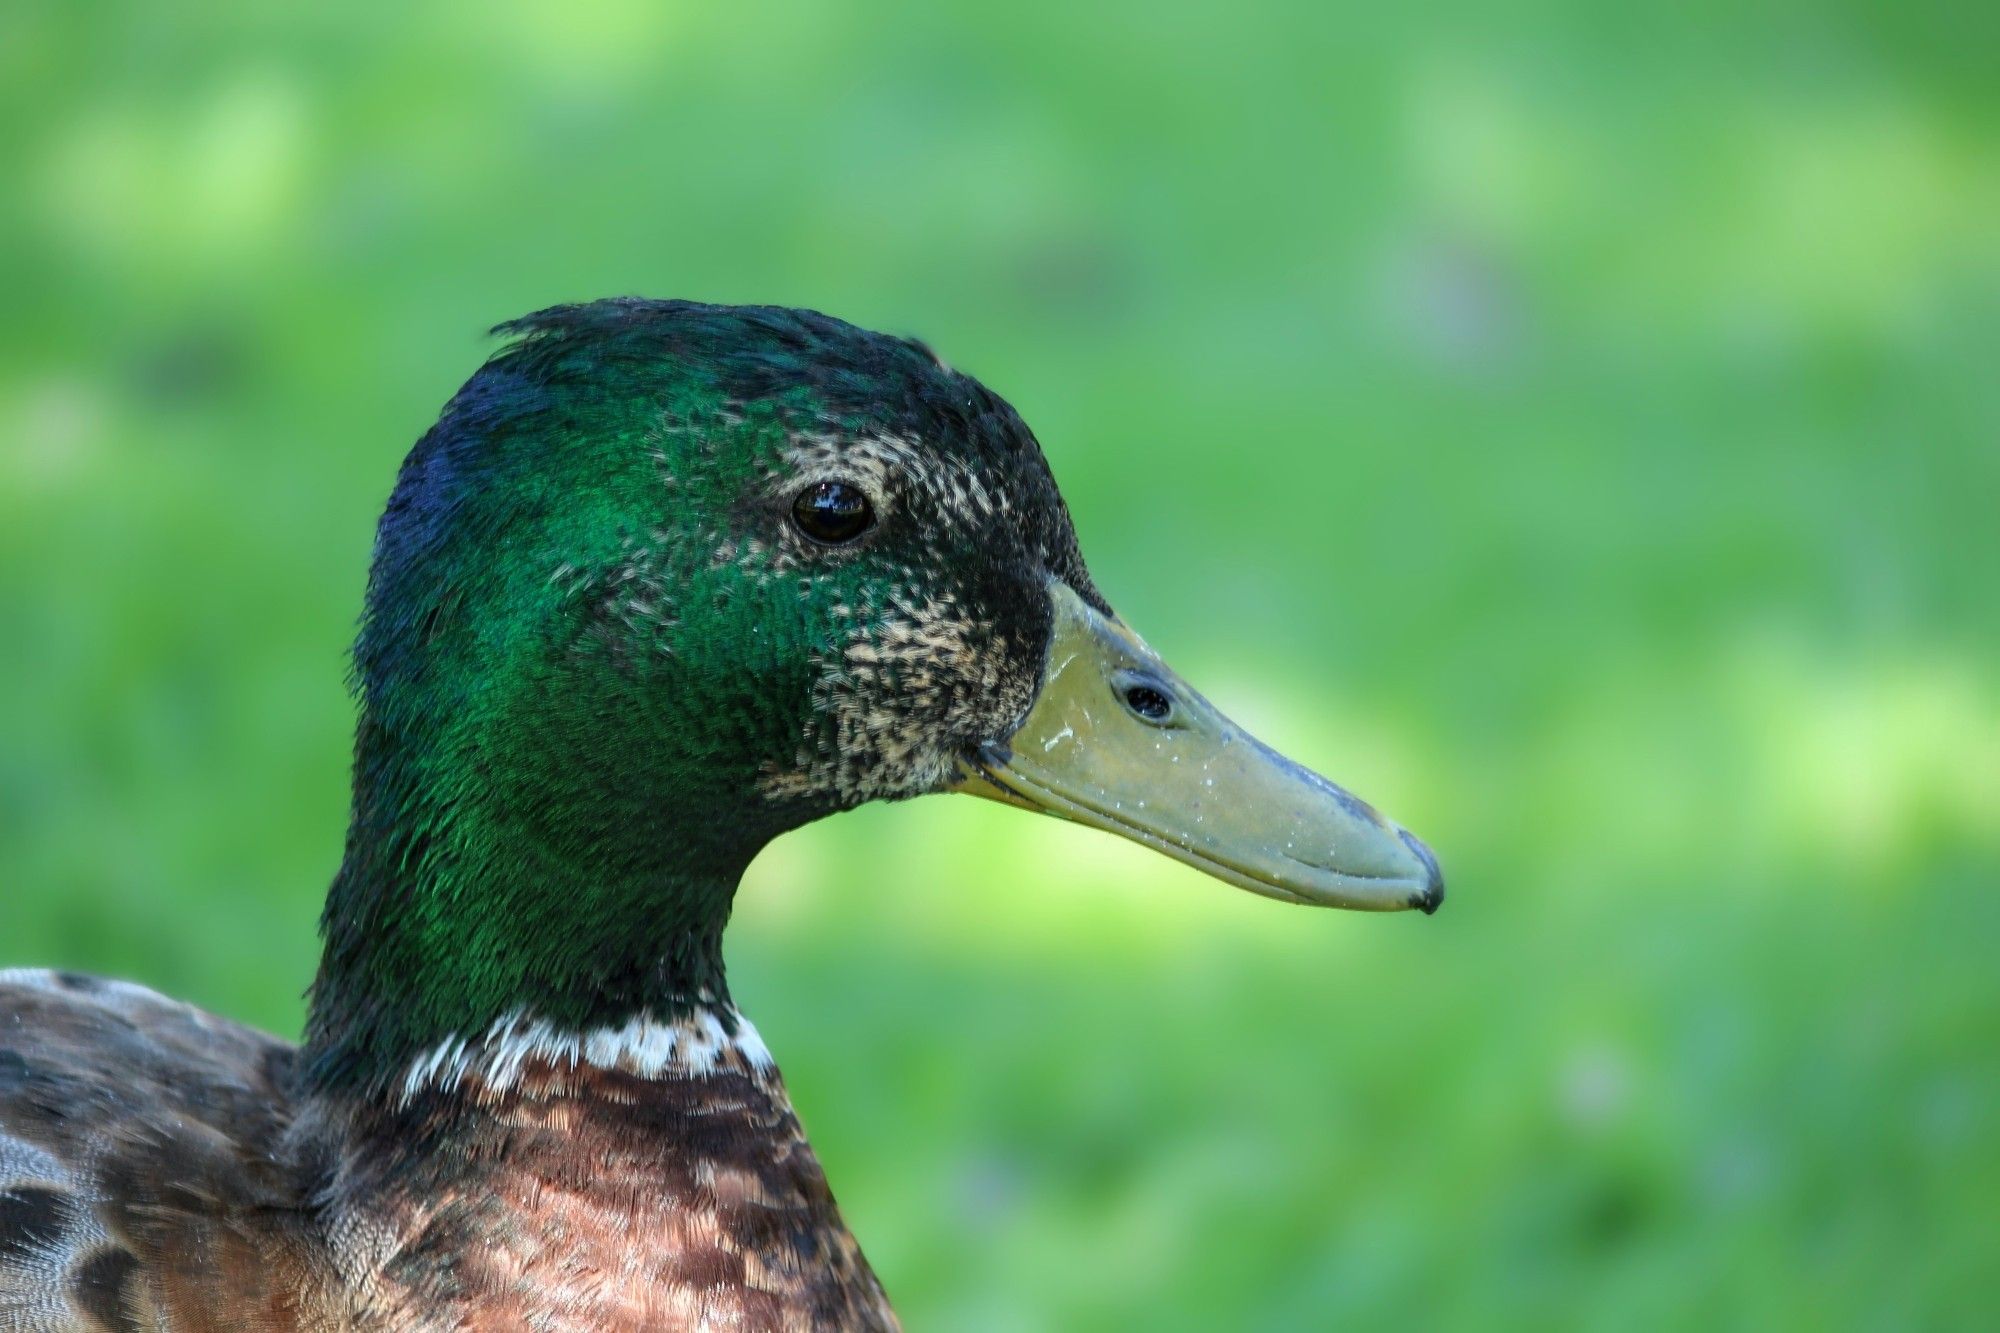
(1117, 741)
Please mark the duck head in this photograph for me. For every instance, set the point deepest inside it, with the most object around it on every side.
(669, 579)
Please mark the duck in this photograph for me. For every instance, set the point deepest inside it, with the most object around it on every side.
(664, 581)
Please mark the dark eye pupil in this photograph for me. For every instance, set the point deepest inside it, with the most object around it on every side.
(832, 512)
(1148, 702)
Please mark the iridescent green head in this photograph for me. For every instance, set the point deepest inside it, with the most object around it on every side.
(669, 579)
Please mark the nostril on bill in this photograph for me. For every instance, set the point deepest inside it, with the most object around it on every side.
(1149, 703)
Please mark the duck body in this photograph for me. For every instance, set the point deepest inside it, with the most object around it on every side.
(664, 581)
(164, 1172)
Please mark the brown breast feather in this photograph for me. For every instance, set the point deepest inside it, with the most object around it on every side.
(156, 1174)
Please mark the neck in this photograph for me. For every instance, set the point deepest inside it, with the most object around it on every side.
(512, 920)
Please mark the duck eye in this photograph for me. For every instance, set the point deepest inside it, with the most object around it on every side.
(833, 512)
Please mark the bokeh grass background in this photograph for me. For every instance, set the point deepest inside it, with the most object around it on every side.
(1578, 429)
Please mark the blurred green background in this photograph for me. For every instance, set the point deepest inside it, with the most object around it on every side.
(1577, 429)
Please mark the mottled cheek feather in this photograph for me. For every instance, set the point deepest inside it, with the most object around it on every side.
(918, 675)
(892, 469)
(912, 686)
(701, 1043)
(881, 464)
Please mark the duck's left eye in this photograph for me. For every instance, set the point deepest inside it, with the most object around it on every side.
(833, 512)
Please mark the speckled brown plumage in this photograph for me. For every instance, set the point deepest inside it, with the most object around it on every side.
(156, 1172)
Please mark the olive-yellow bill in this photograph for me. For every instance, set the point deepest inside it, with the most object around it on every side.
(1116, 740)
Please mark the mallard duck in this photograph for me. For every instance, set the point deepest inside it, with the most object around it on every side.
(664, 581)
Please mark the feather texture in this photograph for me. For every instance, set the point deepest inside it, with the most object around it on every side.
(600, 667)
(159, 1171)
